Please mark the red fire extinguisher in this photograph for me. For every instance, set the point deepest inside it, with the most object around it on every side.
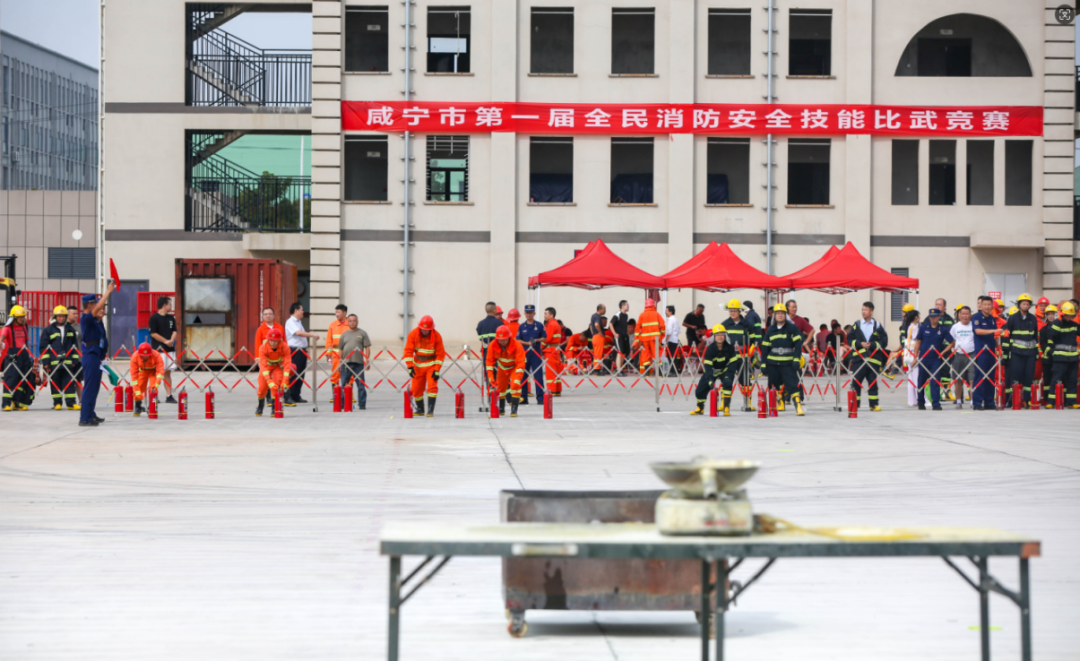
(459, 405)
(347, 406)
(337, 399)
(129, 399)
(118, 398)
(549, 405)
(408, 403)
(712, 402)
(182, 409)
(772, 403)
(151, 407)
(1059, 397)
(1018, 400)
(1036, 391)
(494, 404)
(279, 410)
(762, 405)
(209, 403)
(852, 404)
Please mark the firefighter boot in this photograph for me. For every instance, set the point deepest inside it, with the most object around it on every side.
(57, 407)
(431, 406)
(700, 410)
(780, 405)
(798, 405)
(727, 406)
(513, 407)
(259, 410)
(502, 406)
(138, 408)
(418, 408)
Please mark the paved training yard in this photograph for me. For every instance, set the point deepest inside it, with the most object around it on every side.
(255, 538)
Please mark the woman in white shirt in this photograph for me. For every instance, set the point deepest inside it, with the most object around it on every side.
(909, 358)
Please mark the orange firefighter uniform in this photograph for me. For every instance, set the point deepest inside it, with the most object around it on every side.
(424, 356)
(650, 327)
(333, 340)
(506, 368)
(553, 357)
(147, 368)
(275, 366)
(264, 332)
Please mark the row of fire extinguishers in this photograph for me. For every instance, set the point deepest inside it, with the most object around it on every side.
(459, 405)
(125, 403)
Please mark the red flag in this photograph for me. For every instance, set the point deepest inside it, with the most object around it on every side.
(112, 272)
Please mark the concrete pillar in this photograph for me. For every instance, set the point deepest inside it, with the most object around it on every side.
(504, 158)
(858, 174)
(1057, 178)
(326, 292)
(682, 74)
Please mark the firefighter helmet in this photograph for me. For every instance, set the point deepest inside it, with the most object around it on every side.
(649, 303)
(779, 307)
(734, 304)
(1068, 308)
(513, 315)
(503, 333)
(18, 311)
(908, 307)
(1013, 310)
(718, 329)
(1023, 297)
(427, 323)
(145, 349)
(1044, 301)
(1050, 308)
(274, 336)
(59, 310)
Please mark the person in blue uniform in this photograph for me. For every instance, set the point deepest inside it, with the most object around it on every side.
(931, 346)
(531, 335)
(95, 347)
(985, 327)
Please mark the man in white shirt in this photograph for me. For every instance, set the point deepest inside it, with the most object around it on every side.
(671, 337)
(964, 357)
(297, 339)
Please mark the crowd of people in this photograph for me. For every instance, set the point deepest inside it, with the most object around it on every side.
(1029, 344)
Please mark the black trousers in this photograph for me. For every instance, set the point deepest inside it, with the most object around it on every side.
(866, 372)
(18, 379)
(62, 382)
(785, 375)
(1022, 371)
(675, 356)
(1065, 374)
(299, 361)
(705, 384)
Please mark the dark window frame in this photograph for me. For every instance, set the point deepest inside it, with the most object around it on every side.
(715, 53)
(819, 179)
(809, 57)
(712, 188)
(641, 191)
(548, 185)
(460, 62)
(362, 143)
(561, 67)
(439, 143)
(621, 61)
(356, 13)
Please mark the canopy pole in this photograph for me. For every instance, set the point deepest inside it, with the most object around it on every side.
(769, 165)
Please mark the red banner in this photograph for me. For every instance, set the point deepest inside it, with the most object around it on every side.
(700, 118)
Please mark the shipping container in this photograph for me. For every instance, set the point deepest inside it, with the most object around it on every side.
(40, 304)
(219, 305)
(146, 306)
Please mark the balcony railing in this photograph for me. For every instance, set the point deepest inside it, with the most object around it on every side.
(224, 70)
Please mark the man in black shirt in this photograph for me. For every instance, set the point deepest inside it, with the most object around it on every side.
(622, 339)
(694, 322)
(163, 340)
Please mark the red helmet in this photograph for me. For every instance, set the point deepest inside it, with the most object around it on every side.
(649, 303)
(427, 323)
(145, 349)
(498, 310)
(513, 315)
(274, 335)
(1044, 301)
(503, 333)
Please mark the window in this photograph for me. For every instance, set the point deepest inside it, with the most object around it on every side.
(633, 41)
(729, 42)
(898, 299)
(810, 44)
(808, 172)
(552, 43)
(727, 171)
(448, 39)
(942, 172)
(551, 170)
(980, 172)
(905, 172)
(944, 57)
(631, 170)
(367, 39)
(72, 263)
(1018, 173)
(366, 167)
(963, 45)
(448, 168)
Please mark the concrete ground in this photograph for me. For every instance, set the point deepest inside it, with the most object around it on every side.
(256, 538)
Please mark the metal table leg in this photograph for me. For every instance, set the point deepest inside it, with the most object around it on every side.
(706, 609)
(1025, 611)
(984, 608)
(721, 606)
(395, 603)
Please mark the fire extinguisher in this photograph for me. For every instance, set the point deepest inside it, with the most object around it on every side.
(279, 410)
(712, 402)
(209, 403)
(118, 398)
(762, 406)
(408, 403)
(459, 405)
(182, 409)
(129, 399)
(151, 407)
(852, 404)
(494, 404)
(772, 403)
(549, 405)
(347, 406)
(1059, 397)
(337, 399)
(1018, 400)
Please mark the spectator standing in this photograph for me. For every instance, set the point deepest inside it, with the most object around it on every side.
(801, 323)
(622, 338)
(671, 339)
(907, 350)
(355, 353)
(753, 320)
(963, 359)
(333, 337)
(823, 339)
(297, 339)
(268, 324)
(163, 340)
(694, 323)
(931, 345)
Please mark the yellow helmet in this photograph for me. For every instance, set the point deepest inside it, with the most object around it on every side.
(1023, 297)
(59, 309)
(18, 311)
(908, 307)
(718, 328)
(779, 307)
(1013, 310)
(1068, 308)
(958, 307)
(734, 304)
(1050, 308)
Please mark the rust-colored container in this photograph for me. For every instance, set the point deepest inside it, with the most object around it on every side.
(219, 305)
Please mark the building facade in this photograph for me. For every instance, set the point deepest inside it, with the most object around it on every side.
(49, 106)
(487, 211)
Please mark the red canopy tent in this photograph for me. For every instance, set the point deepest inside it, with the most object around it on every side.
(718, 269)
(847, 271)
(597, 267)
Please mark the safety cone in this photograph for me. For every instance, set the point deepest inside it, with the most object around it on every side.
(181, 410)
(129, 399)
(772, 403)
(118, 398)
(279, 409)
(459, 405)
(762, 406)
(151, 408)
(712, 403)
(1059, 397)
(852, 404)
(494, 405)
(1018, 397)
(337, 399)
(209, 403)
(549, 406)
(346, 406)
(408, 404)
